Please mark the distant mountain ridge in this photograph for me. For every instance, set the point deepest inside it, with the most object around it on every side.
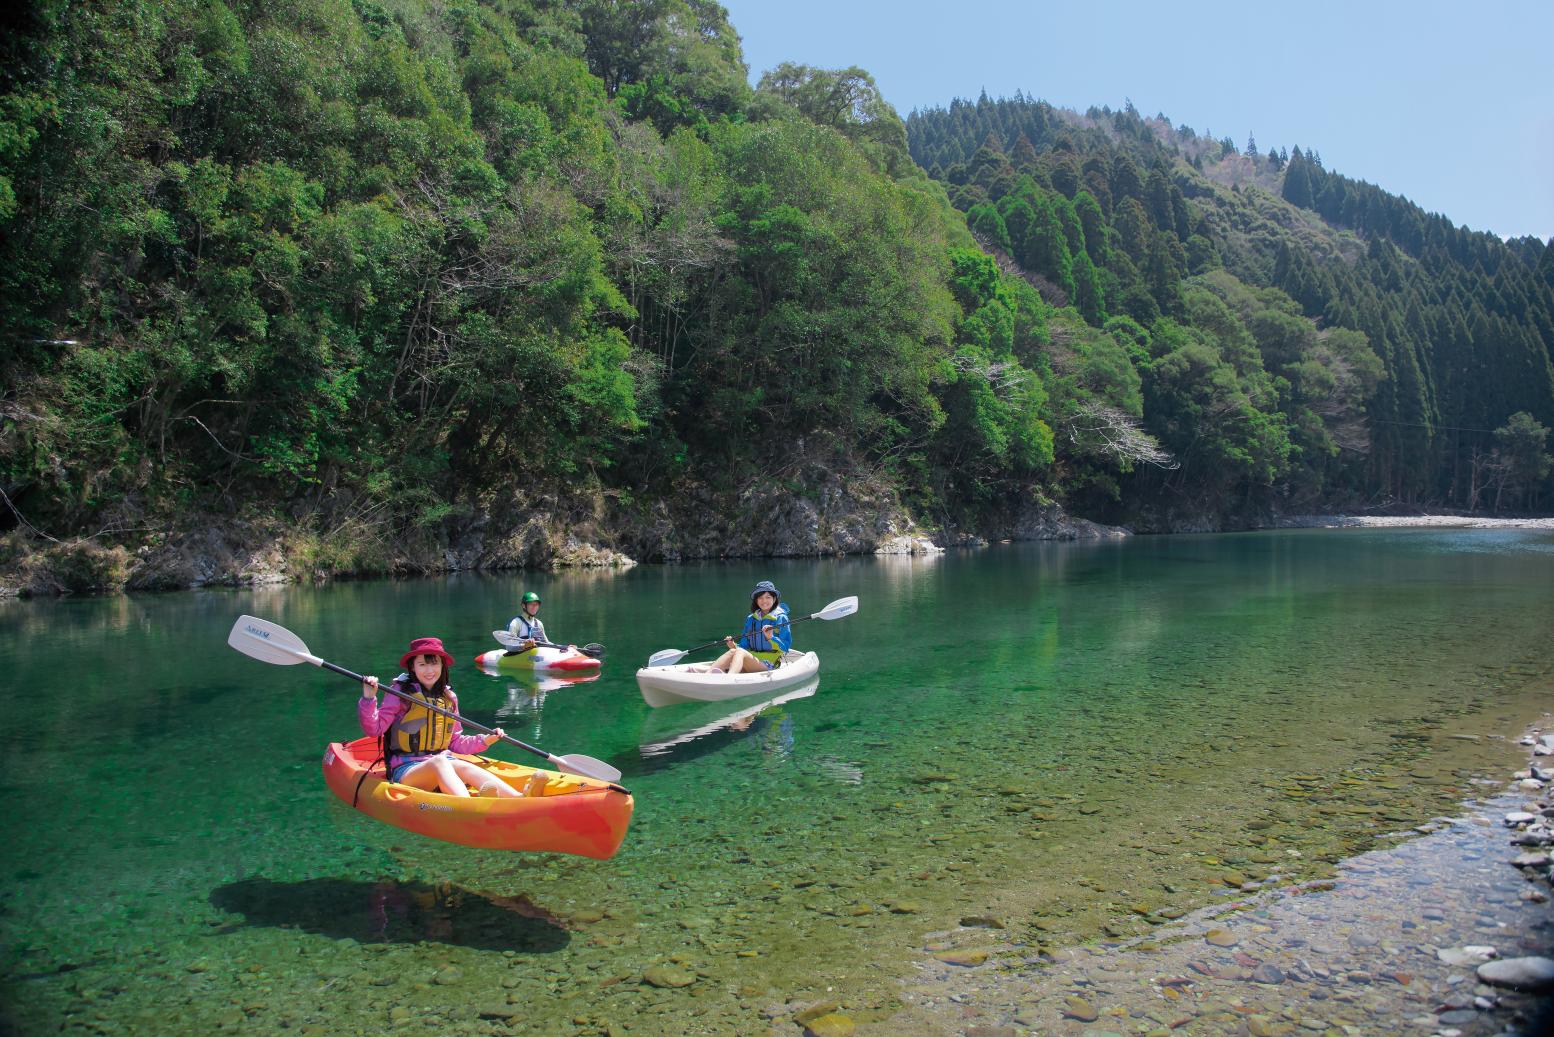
(1462, 322)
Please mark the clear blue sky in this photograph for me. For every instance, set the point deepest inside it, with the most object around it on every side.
(1448, 104)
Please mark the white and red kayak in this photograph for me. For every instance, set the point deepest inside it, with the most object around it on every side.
(540, 659)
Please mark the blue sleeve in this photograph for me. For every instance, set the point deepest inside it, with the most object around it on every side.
(783, 635)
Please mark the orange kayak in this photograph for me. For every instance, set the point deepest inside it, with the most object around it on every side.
(573, 814)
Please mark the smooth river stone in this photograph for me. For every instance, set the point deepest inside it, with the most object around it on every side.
(1080, 1009)
(982, 922)
(965, 959)
(1221, 938)
(815, 1011)
(1267, 973)
(1461, 956)
(664, 976)
(830, 1026)
(1521, 973)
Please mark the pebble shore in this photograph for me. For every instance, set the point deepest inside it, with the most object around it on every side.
(1448, 932)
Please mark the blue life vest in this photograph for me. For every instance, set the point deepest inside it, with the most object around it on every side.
(757, 643)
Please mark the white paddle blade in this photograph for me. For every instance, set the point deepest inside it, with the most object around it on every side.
(587, 766)
(839, 608)
(664, 658)
(268, 642)
(506, 640)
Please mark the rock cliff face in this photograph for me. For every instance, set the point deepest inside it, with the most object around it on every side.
(826, 514)
(830, 516)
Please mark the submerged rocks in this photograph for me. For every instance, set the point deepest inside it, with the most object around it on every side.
(1535, 973)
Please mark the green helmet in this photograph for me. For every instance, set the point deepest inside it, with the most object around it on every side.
(529, 596)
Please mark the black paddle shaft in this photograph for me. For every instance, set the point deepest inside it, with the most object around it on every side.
(598, 650)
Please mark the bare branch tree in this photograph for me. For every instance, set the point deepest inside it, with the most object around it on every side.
(1099, 427)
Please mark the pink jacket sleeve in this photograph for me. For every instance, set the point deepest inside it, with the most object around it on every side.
(375, 721)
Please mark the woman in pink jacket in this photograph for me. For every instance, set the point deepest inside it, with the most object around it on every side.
(419, 743)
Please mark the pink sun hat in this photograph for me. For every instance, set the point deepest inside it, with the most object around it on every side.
(426, 646)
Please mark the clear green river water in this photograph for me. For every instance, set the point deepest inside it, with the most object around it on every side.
(1068, 737)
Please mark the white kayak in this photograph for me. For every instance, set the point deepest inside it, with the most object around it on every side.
(666, 685)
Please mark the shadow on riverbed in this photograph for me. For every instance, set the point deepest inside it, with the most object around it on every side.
(393, 912)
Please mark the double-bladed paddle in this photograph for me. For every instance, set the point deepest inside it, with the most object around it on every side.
(836, 610)
(512, 642)
(271, 643)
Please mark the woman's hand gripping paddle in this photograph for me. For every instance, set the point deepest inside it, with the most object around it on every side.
(836, 610)
(271, 643)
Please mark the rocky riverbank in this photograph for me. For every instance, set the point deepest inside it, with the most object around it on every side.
(1449, 932)
(825, 516)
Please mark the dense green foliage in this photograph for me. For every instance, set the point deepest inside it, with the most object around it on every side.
(391, 256)
(1378, 352)
(386, 257)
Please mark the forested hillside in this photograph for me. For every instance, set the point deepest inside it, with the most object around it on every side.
(1302, 338)
(377, 271)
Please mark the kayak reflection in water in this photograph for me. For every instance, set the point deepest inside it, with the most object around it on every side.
(766, 637)
(775, 730)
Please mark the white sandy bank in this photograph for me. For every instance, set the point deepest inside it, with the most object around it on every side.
(1447, 521)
